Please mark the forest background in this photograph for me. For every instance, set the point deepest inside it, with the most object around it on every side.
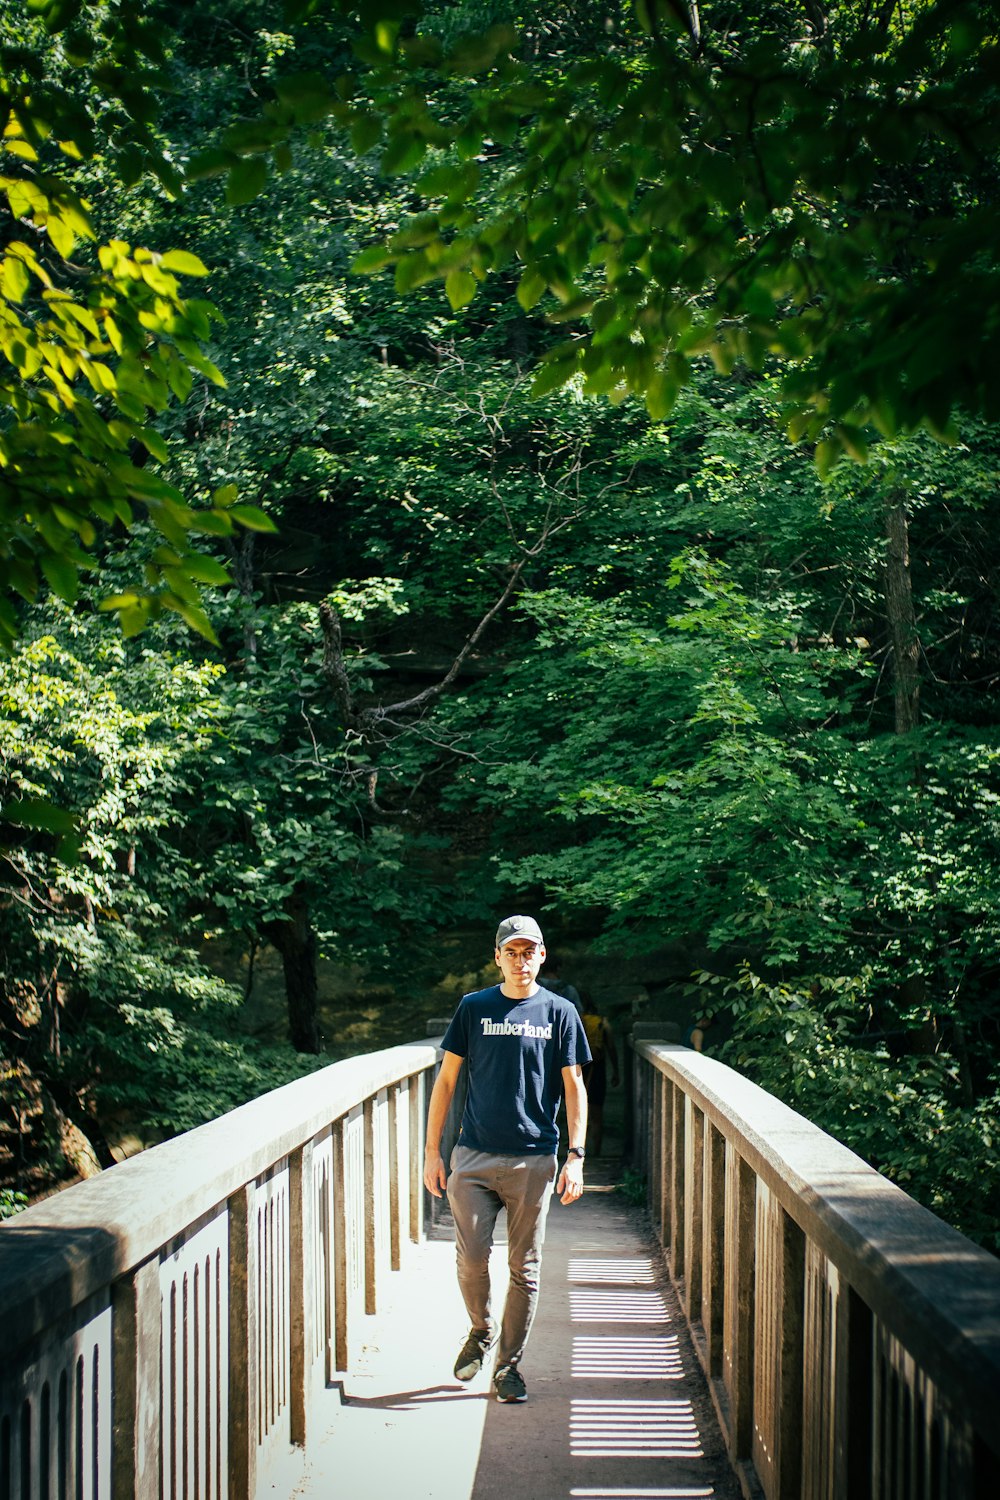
(627, 555)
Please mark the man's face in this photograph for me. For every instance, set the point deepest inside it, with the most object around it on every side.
(519, 962)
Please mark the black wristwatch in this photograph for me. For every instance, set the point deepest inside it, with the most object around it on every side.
(576, 1151)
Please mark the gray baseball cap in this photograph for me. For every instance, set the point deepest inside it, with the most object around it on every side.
(519, 927)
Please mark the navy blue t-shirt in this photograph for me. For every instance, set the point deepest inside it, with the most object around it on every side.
(515, 1051)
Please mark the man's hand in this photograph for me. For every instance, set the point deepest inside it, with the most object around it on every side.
(570, 1185)
(443, 1092)
(435, 1176)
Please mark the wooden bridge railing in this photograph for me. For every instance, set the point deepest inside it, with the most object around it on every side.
(175, 1327)
(850, 1337)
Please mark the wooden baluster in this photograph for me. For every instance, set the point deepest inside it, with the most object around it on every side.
(738, 1316)
(678, 1206)
(243, 1352)
(301, 1286)
(135, 1471)
(415, 1094)
(371, 1255)
(713, 1246)
(395, 1236)
(340, 1254)
(694, 1175)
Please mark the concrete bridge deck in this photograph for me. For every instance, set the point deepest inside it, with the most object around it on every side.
(617, 1402)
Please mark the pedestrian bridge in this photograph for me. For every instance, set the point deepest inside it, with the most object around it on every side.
(264, 1307)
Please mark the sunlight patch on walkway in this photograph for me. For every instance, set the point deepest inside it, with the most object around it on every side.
(633, 1429)
(622, 1272)
(627, 1358)
(619, 1494)
(616, 1306)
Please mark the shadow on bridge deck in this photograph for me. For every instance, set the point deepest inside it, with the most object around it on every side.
(617, 1403)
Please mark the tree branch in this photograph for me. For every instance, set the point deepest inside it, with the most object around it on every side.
(421, 700)
(332, 666)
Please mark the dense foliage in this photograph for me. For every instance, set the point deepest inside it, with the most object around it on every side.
(468, 633)
(92, 345)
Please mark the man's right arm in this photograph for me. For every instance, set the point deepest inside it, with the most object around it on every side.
(443, 1092)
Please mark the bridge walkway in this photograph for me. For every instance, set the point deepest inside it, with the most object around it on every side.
(617, 1402)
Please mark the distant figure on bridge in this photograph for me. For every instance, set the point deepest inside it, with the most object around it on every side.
(525, 1047)
(552, 980)
(695, 1034)
(595, 1074)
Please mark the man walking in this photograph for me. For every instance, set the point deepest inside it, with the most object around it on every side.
(525, 1047)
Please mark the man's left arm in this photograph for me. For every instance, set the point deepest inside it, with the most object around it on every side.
(570, 1184)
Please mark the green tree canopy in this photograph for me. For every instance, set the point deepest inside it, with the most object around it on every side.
(632, 662)
(96, 340)
(809, 183)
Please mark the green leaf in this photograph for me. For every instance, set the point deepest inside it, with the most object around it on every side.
(307, 95)
(553, 373)
(184, 263)
(15, 279)
(530, 289)
(119, 601)
(252, 517)
(453, 181)
(130, 405)
(203, 365)
(853, 441)
(403, 153)
(661, 395)
(61, 235)
(144, 484)
(204, 569)
(373, 258)
(366, 131)
(61, 576)
(423, 51)
(38, 812)
(154, 442)
(460, 288)
(211, 163)
(84, 317)
(414, 233)
(134, 620)
(211, 522)
(825, 457)
(179, 378)
(411, 271)
(73, 521)
(193, 615)
(571, 311)
(247, 179)
(22, 577)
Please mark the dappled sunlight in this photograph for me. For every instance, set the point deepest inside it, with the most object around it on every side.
(632, 1272)
(685, 1492)
(616, 1307)
(627, 1359)
(673, 1493)
(634, 1429)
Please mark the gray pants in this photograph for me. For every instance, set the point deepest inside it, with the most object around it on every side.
(479, 1186)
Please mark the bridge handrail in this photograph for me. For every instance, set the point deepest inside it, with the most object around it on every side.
(141, 1204)
(253, 1237)
(764, 1214)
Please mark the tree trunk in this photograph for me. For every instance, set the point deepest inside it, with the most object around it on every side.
(296, 942)
(82, 1142)
(903, 637)
(242, 554)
